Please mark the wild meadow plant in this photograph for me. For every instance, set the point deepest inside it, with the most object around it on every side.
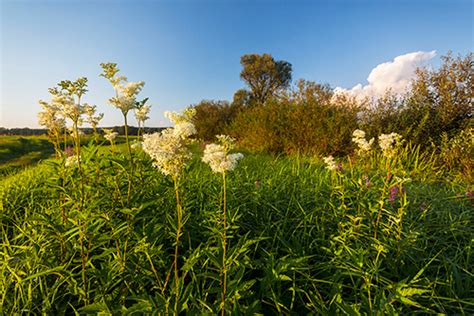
(221, 161)
(125, 98)
(110, 136)
(92, 119)
(389, 143)
(51, 119)
(66, 105)
(141, 115)
(330, 163)
(170, 153)
(359, 138)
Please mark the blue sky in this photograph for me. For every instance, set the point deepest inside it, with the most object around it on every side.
(187, 51)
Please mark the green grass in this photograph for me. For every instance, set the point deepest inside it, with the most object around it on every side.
(302, 239)
(20, 152)
(17, 152)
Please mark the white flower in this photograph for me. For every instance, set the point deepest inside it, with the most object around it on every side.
(109, 134)
(90, 111)
(136, 145)
(50, 117)
(184, 129)
(330, 163)
(123, 103)
(177, 118)
(362, 143)
(183, 126)
(71, 161)
(141, 114)
(126, 98)
(116, 81)
(218, 157)
(389, 143)
(67, 106)
(168, 149)
(130, 89)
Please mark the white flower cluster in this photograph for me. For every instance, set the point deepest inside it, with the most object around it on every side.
(71, 161)
(136, 145)
(130, 89)
(389, 143)
(126, 94)
(330, 163)
(122, 103)
(109, 134)
(50, 117)
(362, 143)
(168, 149)
(90, 111)
(218, 157)
(141, 114)
(183, 126)
(67, 107)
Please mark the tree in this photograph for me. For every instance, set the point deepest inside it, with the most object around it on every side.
(265, 76)
(212, 118)
(243, 99)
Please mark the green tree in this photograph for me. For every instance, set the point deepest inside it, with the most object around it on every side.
(265, 76)
(212, 118)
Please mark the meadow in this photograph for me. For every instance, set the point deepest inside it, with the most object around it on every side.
(17, 152)
(373, 236)
(187, 222)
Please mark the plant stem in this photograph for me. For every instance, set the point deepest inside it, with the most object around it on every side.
(84, 262)
(126, 138)
(224, 244)
(176, 249)
(129, 191)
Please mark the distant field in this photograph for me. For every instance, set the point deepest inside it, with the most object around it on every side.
(17, 152)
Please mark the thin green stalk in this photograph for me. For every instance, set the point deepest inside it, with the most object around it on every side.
(126, 138)
(79, 166)
(84, 262)
(129, 191)
(176, 249)
(224, 245)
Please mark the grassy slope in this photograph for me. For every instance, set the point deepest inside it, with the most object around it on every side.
(17, 152)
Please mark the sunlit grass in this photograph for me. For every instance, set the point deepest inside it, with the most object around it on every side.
(300, 239)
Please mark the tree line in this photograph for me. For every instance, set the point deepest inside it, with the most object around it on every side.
(275, 115)
(25, 131)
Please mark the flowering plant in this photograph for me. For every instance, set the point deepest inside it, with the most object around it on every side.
(218, 157)
(389, 143)
(364, 146)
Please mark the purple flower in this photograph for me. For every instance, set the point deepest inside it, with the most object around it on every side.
(69, 151)
(393, 194)
(469, 193)
(257, 183)
(367, 181)
(339, 167)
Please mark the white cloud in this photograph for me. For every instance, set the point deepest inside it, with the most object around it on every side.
(395, 75)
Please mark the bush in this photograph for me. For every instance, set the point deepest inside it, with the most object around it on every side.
(303, 121)
(440, 102)
(213, 117)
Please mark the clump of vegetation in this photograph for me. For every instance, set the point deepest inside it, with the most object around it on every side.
(309, 118)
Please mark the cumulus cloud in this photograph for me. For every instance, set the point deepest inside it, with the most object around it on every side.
(395, 75)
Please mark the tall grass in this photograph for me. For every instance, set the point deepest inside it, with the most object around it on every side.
(299, 239)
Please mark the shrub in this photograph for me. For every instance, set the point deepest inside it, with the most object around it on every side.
(212, 118)
(302, 121)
